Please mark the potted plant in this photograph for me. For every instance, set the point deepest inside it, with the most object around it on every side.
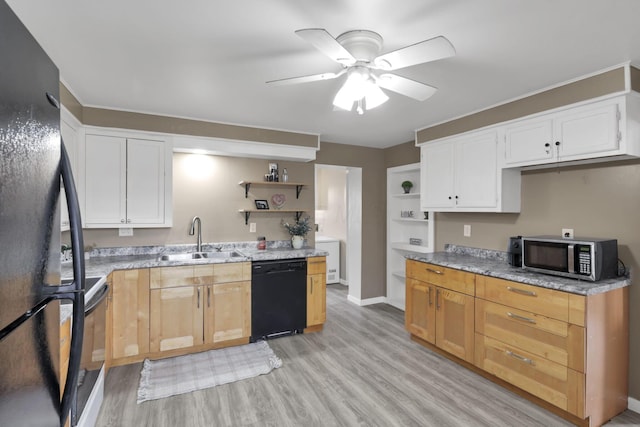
(407, 185)
(298, 231)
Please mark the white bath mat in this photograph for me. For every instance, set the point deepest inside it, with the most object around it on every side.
(183, 374)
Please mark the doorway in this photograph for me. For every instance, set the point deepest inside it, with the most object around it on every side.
(338, 193)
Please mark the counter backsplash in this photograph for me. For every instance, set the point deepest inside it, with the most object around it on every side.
(169, 249)
(476, 252)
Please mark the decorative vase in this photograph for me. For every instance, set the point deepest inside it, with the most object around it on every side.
(406, 190)
(297, 242)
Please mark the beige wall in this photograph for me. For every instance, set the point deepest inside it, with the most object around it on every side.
(403, 154)
(207, 186)
(371, 160)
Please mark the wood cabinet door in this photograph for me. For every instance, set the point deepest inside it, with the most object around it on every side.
(228, 312)
(176, 317)
(105, 180)
(455, 323)
(316, 299)
(145, 181)
(128, 311)
(420, 313)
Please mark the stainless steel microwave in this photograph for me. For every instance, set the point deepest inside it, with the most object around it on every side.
(585, 259)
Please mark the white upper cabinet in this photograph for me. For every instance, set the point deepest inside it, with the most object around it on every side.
(127, 182)
(594, 131)
(69, 130)
(462, 174)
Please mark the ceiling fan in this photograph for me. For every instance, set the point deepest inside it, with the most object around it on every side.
(358, 52)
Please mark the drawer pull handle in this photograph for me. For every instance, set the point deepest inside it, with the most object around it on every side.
(437, 299)
(521, 358)
(434, 271)
(522, 318)
(429, 291)
(521, 291)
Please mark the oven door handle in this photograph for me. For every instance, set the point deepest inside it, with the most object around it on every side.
(96, 300)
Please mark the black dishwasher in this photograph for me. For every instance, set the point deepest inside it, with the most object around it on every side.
(278, 298)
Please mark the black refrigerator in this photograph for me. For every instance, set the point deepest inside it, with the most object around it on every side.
(33, 164)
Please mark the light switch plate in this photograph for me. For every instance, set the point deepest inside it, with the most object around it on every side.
(125, 232)
(567, 233)
(467, 230)
(252, 227)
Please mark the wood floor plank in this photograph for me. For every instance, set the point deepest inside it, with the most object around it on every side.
(361, 370)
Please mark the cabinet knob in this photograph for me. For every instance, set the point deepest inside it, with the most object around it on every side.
(449, 197)
(128, 221)
(547, 145)
(557, 143)
(122, 221)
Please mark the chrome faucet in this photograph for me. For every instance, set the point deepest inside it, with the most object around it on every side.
(193, 231)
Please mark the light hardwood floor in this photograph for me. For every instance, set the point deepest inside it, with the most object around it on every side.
(362, 370)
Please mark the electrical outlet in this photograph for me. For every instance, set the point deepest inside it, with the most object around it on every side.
(125, 232)
(252, 227)
(467, 230)
(567, 233)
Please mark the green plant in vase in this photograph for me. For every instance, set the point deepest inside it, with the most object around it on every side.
(298, 231)
(407, 186)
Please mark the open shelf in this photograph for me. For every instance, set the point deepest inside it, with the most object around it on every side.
(411, 248)
(248, 184)
(247, 212)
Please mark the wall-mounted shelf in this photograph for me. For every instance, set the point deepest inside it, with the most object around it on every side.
(247, 213)
(248, 184)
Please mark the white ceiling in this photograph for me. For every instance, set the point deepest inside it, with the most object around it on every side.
(209, 59)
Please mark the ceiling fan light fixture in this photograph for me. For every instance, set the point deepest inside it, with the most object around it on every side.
(374, 96)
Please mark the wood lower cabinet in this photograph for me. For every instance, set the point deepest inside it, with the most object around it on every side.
(440, 307)
(566, 352)
(128, 316)
(194, 306)
(316, 292)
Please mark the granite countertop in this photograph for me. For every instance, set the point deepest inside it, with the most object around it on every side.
(103, 261)
(494, 264)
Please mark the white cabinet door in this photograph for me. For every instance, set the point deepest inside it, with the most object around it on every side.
(105, 180)
(437, 176)
(529, 141)
(577, 133)
(476, 172)
(460, 174)
(588, 130)
(145, 181)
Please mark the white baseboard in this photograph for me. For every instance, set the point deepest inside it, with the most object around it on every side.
(634, 404)
(368, 301)
(343, 282)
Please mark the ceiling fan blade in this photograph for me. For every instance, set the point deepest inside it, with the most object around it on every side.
(306, 79)
(325, 43)
(424, 51)
(406, 87)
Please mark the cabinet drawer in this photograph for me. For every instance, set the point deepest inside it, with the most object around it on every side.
(561, 386)
(455, 280)
(187, 275)
(547, 302)
(316, 265)
(231, 272)
(552, 339)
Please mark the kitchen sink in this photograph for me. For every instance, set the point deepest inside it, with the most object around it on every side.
(199, 255)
